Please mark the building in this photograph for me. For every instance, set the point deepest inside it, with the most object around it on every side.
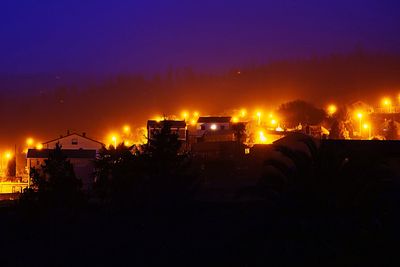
(79, 149)
(74, 141)
(212, 129)
(213, 124)
(177, 127)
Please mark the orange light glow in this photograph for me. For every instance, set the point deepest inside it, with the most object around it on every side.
(262, 137)
(359, 115)
(193, 122)
(126, 128)
(213, 127)
(387, 102)
(258, 117)
(235, 119)
(29, 141)
(332, 109)
(243, 113)
(39, 146)
(185, 115)
(8, 155)
(196, 114)
(273, 122)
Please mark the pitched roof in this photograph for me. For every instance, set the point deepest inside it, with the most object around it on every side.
(211, 119)
(69, 153)
(68, 135)
(172, 123)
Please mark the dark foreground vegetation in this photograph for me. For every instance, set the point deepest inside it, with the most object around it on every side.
(328, 204)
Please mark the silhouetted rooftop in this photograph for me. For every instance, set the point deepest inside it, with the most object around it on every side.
(172, 123)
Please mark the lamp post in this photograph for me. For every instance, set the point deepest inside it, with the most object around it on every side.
(360, 115)
(368, 127)
(259, 117)
(114, 139)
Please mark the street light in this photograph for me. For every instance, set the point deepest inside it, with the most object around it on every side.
(387, 103)
(368, 127)
(259, 117)
(114, 139)
(29, 141)
(360, 115)
(332, 109)
(126, 128)
(243, 113)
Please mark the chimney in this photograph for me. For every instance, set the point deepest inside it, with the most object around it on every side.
(67, 132)
(84, 134)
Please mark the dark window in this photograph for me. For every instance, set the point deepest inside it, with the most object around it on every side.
(74, 141)
(222, 127)
(203, 127)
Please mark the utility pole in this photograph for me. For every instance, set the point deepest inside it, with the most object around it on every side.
(15, 159)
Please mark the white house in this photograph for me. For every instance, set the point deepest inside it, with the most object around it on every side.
(213, 124)
(79, 149)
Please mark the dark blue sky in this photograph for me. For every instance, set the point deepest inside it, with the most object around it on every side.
(99, 36)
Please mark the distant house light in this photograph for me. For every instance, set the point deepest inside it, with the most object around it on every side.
(213, 127)
(247, 151)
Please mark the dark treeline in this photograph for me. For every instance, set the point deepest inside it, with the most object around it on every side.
(300, 201)
(101, 102)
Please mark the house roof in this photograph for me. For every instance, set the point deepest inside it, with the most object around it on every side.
(69, 153)
(211, 119)
(71, 134)
(172, 123)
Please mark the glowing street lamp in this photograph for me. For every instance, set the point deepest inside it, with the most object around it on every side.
(29, 141)
(235, 119)
(39, 146)
(114, 139)
(262, 137)
(126, 128)
(7, 155)
(359, 116)
(332, 109)
(243, 113)
(273, 122)
(185, 115)
(258, 117)
(386, 102)
(366, 126)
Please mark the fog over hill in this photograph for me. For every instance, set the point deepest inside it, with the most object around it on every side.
(46, 105)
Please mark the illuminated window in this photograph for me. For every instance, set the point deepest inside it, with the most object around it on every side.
(247, 151)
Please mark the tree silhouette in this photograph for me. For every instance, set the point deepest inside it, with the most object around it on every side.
(158, 173)
(391, 131)
(55, 183)
(338, 130)
(299, 111)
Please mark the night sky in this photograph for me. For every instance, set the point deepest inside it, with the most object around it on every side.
(210, 35)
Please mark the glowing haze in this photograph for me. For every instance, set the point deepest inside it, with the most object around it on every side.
(93, 66)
